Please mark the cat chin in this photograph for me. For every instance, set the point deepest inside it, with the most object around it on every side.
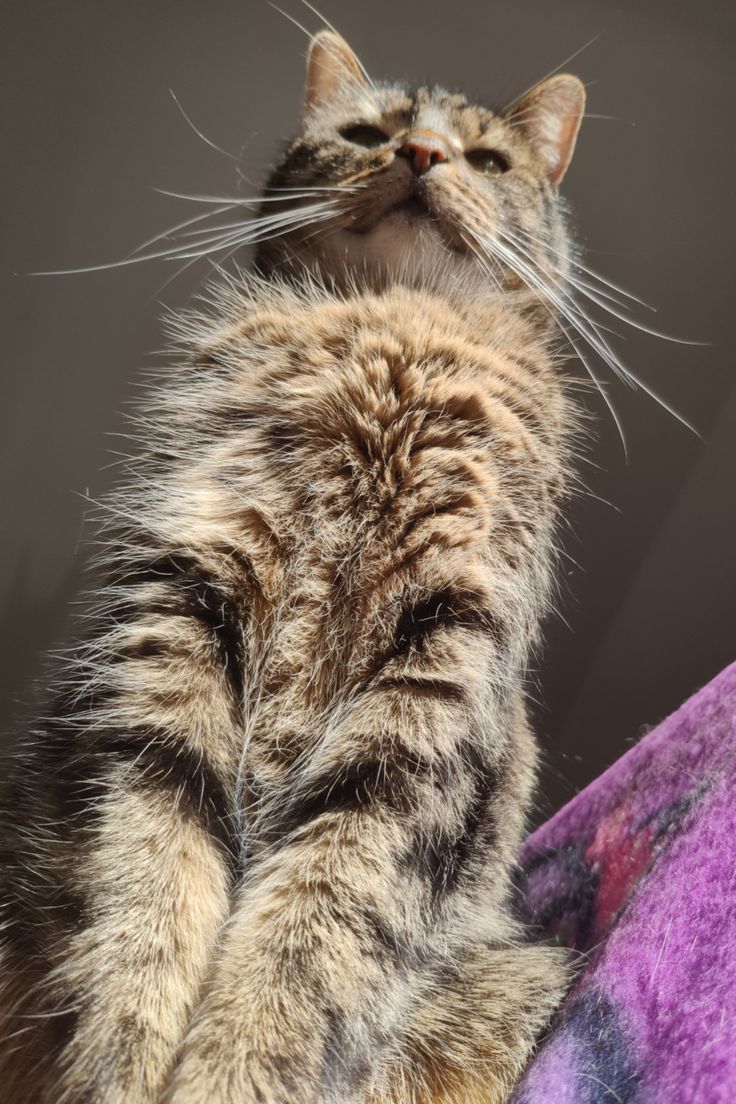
(401, 248)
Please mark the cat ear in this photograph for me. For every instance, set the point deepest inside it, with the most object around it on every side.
(331, 67)
(551, 115)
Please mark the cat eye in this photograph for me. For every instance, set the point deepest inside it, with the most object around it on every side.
(486, 161)
(362, 134)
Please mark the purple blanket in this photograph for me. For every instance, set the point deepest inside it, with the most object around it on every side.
(638, 872)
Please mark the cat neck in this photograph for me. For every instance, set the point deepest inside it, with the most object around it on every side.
(463, 287)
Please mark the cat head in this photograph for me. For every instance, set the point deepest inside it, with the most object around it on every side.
(385, 182)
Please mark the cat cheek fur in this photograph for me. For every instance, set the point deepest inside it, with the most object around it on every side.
(260, 849)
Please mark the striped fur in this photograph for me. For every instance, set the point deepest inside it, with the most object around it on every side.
(259, 852)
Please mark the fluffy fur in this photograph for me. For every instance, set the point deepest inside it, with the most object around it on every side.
(259, 850)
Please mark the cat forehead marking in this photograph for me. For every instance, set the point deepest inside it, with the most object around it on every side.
(432, 117)
(450, 114)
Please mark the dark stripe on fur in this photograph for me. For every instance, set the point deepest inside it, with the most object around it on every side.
(153, 758)
(359, 786)
(191, 591)
(443, 857)
(443, 609)
(423, 687)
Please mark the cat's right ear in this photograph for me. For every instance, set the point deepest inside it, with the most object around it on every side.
(332, 67)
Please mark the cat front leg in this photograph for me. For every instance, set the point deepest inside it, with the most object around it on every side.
(94, 1013)
(117, 848)
(308, 986)
(158, 895)
(315, 972)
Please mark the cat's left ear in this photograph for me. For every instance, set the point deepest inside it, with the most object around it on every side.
(551, 115)
(331, 67)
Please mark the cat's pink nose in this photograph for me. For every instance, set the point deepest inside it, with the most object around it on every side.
(424, 149)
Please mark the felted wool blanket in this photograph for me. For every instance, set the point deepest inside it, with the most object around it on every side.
(638, 874)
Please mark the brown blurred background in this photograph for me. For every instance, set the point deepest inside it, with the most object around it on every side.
(91, 129)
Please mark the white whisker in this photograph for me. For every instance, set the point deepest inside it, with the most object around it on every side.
(214, 240)
(172, 230)
(198, 132)
(248, 201)
(572, 318)
(557, 68)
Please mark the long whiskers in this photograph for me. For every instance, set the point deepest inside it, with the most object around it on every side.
(577, 324)
(209, 240)
(601, 299)
(589, 330)
(592, 278)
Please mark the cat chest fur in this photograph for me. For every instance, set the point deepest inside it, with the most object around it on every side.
(388, 467)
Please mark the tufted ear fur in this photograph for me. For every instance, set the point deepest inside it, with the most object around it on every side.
(331, 66)
(551, 115)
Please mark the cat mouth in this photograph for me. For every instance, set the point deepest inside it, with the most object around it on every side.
(412, 206)
(416, 211)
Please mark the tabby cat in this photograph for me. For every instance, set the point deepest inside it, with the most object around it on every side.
(260, 849)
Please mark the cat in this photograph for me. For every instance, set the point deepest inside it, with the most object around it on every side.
(259, 851)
